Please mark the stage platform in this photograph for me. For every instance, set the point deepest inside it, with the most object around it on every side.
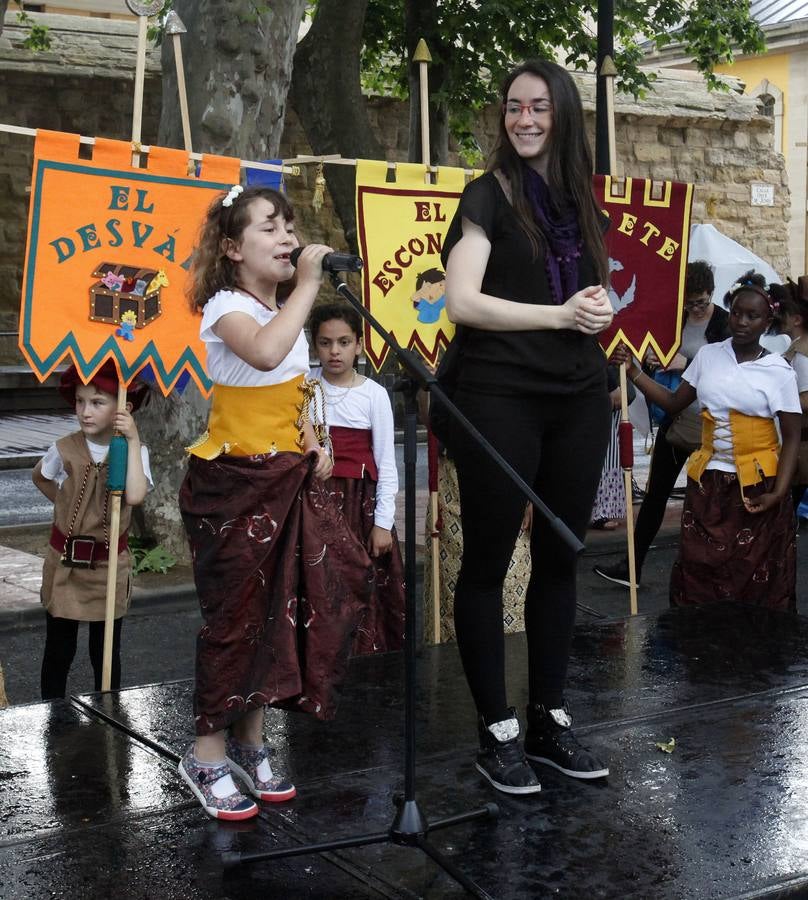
(91, 805)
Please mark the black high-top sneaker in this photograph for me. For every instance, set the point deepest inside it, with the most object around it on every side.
(550, 740)
(501, 758)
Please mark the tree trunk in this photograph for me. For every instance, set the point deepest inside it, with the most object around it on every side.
(421, 22)
(3, 8)
(238, 67)
(327, 96)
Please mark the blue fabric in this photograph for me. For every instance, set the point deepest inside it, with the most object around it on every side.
(263, 178)
(670, 380)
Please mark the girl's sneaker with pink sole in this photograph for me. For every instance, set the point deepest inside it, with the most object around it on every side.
(202, 779)
(251, 764)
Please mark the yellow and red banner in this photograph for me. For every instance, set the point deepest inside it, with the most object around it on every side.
(647, 244)
(401, 227)
(109, 246)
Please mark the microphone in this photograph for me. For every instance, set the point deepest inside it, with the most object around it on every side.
(332, 262)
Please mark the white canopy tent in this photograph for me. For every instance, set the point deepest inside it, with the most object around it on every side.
(728, 258)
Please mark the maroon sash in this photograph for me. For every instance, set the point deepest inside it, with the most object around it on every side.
(353, 452)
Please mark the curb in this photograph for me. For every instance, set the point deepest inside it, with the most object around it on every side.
(145, 601)
(8, 463)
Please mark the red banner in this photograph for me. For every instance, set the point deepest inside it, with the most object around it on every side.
(647, 244)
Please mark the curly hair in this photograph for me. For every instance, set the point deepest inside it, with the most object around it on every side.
(751, 282)
(699, 278)
(211, 269)
(569, 166)
(326, 312)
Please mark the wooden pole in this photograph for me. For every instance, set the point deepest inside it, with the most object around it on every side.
(608, 72)
(142, 12)
(174, 26)
(112, 571)
(423, 57)
(140, 75)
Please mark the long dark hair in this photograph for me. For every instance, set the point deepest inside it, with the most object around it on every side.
(211, 269)
(569, 168)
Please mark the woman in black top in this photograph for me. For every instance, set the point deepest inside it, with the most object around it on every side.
(525, 268)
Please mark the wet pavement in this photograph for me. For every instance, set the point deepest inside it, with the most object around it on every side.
(100, 812)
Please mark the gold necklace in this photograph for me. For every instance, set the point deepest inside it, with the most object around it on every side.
(343, 395)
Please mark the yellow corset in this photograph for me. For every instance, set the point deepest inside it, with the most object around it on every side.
(245, 421)
(754, 443)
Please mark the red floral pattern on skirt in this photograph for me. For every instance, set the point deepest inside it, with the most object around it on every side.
(382, 628)
(727, 553)
(282, 582)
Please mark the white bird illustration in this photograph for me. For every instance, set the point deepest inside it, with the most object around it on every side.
(619, 302)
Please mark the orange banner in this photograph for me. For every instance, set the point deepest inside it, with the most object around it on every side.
(109, 246)
(647, 243)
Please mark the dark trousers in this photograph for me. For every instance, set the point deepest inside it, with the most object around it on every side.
(60, 648)
(666, 464)
(557, 444)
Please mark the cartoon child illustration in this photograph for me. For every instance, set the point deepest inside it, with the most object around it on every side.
(127, 329)
(429, 297)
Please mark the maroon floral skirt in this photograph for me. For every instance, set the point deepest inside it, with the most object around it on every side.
(727, 553)
(382, 628)
(282, 582)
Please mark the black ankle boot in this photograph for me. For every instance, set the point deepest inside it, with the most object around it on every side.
(550, 740)
(501, 758)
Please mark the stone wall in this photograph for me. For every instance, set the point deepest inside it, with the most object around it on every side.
(84, 85)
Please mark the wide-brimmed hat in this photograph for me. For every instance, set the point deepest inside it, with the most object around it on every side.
(106, 380)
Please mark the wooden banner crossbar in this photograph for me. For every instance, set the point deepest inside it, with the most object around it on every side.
(145, 149)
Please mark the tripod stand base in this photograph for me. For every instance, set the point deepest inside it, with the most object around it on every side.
(409, 829)
(410, 825)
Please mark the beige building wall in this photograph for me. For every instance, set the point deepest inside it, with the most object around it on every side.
(782, 74)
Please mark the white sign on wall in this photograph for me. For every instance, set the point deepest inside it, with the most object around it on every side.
(762, 194)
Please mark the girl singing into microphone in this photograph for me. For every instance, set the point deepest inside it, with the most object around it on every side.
(282, 582)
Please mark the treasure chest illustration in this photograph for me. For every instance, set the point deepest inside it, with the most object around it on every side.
(126, 289)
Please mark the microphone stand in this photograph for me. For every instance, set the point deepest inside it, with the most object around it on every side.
(409, 826)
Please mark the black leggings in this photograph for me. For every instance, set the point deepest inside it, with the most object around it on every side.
(557, 444)
(666, 464)
(60, 648)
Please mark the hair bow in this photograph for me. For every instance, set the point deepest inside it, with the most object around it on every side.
(232, 195)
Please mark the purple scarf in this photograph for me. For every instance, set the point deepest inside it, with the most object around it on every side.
(561, 233)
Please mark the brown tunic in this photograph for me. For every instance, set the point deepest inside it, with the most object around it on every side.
(80, 594)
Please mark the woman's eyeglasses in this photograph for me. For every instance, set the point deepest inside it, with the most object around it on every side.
(539, 108)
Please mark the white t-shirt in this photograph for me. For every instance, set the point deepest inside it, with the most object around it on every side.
(800, 365)
(367, 406)
(53, 467)
(224, 367)
(762, 387)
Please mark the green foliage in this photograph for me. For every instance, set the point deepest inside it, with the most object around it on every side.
(156, 24)
(474, 44)
(38, 35)
(148, 558)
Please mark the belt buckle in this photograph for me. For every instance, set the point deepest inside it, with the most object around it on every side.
(79, 552)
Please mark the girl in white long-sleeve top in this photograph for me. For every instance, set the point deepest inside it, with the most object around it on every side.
(364, 481)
